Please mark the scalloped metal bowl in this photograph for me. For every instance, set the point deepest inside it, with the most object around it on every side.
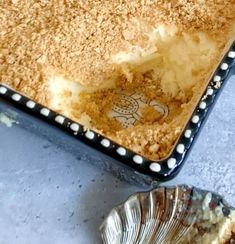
(180, 214)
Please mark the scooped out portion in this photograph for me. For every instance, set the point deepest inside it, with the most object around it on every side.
(154, 90)
(131, 70)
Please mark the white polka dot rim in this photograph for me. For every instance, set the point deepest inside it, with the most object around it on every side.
(3, 90)
(30, 104)
(180, 148)
(231, 54)
(210, 91)
(195, 119)
(155, 167)
(217, 78)
(171, 163)
(188, 133)
(138, 159)
(121, 151)
(45, 111)
(59, 119)
(202, 105)
(224, 66)
(74, 127)
(90, 135)
(16, 97)
(105, 143)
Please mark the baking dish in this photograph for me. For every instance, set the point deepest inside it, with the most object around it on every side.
(124, 77)
(119, 159)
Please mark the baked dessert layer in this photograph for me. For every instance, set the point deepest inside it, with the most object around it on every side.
(85, 58)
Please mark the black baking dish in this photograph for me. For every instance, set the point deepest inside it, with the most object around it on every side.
(112, 156)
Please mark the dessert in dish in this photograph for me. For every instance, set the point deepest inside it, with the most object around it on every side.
(131, 70)
(181, 215)
(213, 227)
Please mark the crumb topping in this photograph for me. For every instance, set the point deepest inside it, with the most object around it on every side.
(76, 38)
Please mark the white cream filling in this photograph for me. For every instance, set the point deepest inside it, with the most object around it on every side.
(175, 60)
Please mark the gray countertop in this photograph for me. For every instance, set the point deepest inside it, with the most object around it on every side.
(50, 196)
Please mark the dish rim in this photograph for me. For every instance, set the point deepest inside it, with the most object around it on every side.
(160, 170)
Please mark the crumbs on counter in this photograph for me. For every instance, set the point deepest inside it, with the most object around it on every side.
(8, 119)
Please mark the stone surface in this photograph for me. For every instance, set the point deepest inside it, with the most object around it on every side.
(50, 196)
